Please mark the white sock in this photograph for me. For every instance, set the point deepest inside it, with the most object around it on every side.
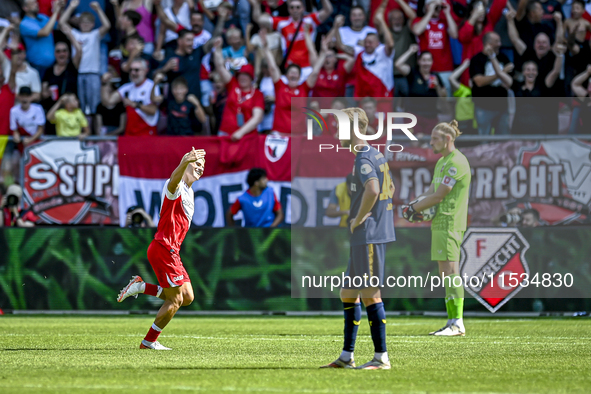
(383, 357)
(458, 322)
(346, 356)
(155, 327)
(143, 287)
(450, 322)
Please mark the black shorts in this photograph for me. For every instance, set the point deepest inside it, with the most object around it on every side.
(366, 261)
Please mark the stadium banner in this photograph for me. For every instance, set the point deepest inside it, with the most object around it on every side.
(146, 165)
(71, 181)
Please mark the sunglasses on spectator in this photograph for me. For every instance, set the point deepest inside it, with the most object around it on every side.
(295, 7)
(136, 69)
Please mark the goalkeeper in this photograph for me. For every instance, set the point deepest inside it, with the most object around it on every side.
(450, 190)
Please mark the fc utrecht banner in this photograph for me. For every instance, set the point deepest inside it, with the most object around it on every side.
(146, 164)
(552, 177)
(71, 182)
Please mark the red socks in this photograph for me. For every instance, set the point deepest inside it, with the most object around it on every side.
(153, 333)
(151, 290)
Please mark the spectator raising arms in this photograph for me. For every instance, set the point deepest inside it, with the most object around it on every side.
(350, 38)
(291, 29)
(245, 105)
(69, 120)
(434, 34)
(142, 114)
(36, 29)
(181, 109)
(489, 72)
(288, 86)
(374, 66)
(145, 28)
(26, 118)
(89, 79)
(478, 24)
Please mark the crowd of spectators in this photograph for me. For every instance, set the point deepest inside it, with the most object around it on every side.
(230, 68)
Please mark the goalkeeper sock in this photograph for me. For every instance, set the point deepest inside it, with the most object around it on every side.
(352, 312)
(377, 325)
(454, 297)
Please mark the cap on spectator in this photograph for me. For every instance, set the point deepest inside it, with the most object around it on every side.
(247, 69)
(14, 190)
(25, 91)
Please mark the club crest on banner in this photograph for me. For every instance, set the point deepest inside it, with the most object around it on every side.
(275, 147)
(498, 254)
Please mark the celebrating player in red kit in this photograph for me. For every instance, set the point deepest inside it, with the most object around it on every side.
(176, 213)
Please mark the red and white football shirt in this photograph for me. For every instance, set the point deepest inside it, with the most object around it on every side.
(176, 213)
(283, 114)
(138, 122)
(239, 102)
(287, 27)
(374, 73)
(27, 121)
(436, 40)
(331, 84)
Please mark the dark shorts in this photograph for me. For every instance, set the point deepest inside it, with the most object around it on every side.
(366, 261)
(167, 266)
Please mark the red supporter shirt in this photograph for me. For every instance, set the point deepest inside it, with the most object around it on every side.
(331, 85)
(239, 102)
(287, 28)
(6, 103)
(283, 96)
(436, 40)
(176, 213)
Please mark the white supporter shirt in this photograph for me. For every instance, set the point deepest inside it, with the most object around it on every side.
(183, 18)
(379, 64)
(351, 37)
(141, 94)
(90, 63)
(30, 78)
(28, 120)
(201, 39)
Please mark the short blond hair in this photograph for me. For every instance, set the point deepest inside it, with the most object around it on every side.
(362, 119)
(452, 129)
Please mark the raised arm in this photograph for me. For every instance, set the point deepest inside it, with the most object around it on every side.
(51, 113)
(521, 9)
(218, 60)
(223, 16)
(559, 51)
(65, 18)
(338, 23)
(409, 12)
(274, 71)
(108, 97)
(518, 43)
(77, 46)
(263, 20)
(454, 78)
(312, 54)
(313, 77)
(466, 32)
(178, 173)
(164, 19)
(326, 10)
(105, 23)
(452, 27)
(383, 28)
(48, 28)
(155, 98)
(420, 27)
(206, 11)
(577, 83)
(250, 48)
(401, 63)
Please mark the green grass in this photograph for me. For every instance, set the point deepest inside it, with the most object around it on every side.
(282, 354)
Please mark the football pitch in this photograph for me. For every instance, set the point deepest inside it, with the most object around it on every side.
(280, 354)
